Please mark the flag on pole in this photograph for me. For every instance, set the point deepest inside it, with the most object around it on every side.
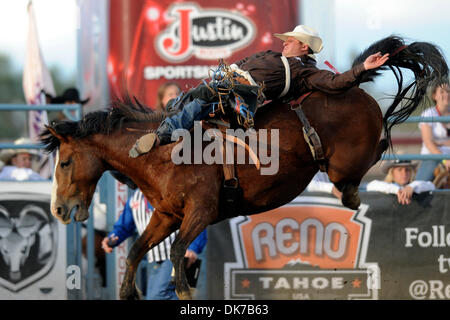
(36, 78)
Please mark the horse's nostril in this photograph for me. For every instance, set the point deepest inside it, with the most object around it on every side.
(61, 210)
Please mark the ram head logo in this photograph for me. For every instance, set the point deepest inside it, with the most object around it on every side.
(27, 244)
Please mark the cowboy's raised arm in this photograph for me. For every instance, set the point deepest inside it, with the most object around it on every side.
(332, 83)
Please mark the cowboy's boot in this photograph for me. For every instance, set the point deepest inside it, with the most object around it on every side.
(145, 143)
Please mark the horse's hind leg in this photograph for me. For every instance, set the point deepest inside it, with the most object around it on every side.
(193, 224)
(157, 230)
(349, 189)
(350, 194)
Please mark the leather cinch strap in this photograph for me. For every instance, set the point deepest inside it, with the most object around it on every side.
(310, 134)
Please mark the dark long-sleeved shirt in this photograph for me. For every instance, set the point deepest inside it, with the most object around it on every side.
(267, 67)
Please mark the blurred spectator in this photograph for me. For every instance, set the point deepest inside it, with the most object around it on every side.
(400, 181)
(18, 162)
(167, 92)
(321, 183)
(69, 96)
(435, 135)
(441, 177)
(136, 215)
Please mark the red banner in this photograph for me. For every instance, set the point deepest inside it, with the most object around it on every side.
(153, 42)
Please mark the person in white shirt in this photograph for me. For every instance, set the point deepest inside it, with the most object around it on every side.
(399, 181)
(435, 135)
(18, 163)
(321, 183)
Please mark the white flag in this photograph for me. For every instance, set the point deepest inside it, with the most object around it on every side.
(36, 78)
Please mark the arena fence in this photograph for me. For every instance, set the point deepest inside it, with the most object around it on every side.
(72, 231)
(114, 195)
(416, 119)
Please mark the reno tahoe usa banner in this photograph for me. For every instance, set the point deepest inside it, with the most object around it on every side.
(154, 42)
(312, 248)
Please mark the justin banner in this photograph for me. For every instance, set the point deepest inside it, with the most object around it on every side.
(154, 42)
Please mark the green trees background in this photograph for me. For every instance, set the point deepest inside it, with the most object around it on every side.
(13, 124)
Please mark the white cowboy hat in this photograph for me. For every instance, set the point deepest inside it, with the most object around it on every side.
(7, 154)
(304, 34)
(397, 163)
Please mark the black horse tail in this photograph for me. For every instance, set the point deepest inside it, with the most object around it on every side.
(424, 59)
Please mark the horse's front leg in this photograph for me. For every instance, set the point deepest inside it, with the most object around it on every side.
(193, 224)
(160, 227)
(177, 252)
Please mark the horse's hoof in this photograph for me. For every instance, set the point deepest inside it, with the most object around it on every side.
(350, 196)
(133, 294)
(351, 203)
(184, 295)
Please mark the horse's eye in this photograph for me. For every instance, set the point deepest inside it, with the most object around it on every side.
(65, 164)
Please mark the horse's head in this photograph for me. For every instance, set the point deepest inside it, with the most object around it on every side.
(74, 179)
(85, 149)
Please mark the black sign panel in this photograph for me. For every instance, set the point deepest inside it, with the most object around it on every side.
(28, 238)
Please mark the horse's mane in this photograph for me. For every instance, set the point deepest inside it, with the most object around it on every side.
(121, 111)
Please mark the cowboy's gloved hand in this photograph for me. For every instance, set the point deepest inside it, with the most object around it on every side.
(375, 60)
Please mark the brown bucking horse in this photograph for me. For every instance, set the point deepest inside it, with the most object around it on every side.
(187, 197)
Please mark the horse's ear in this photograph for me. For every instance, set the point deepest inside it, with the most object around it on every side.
(55, 134)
